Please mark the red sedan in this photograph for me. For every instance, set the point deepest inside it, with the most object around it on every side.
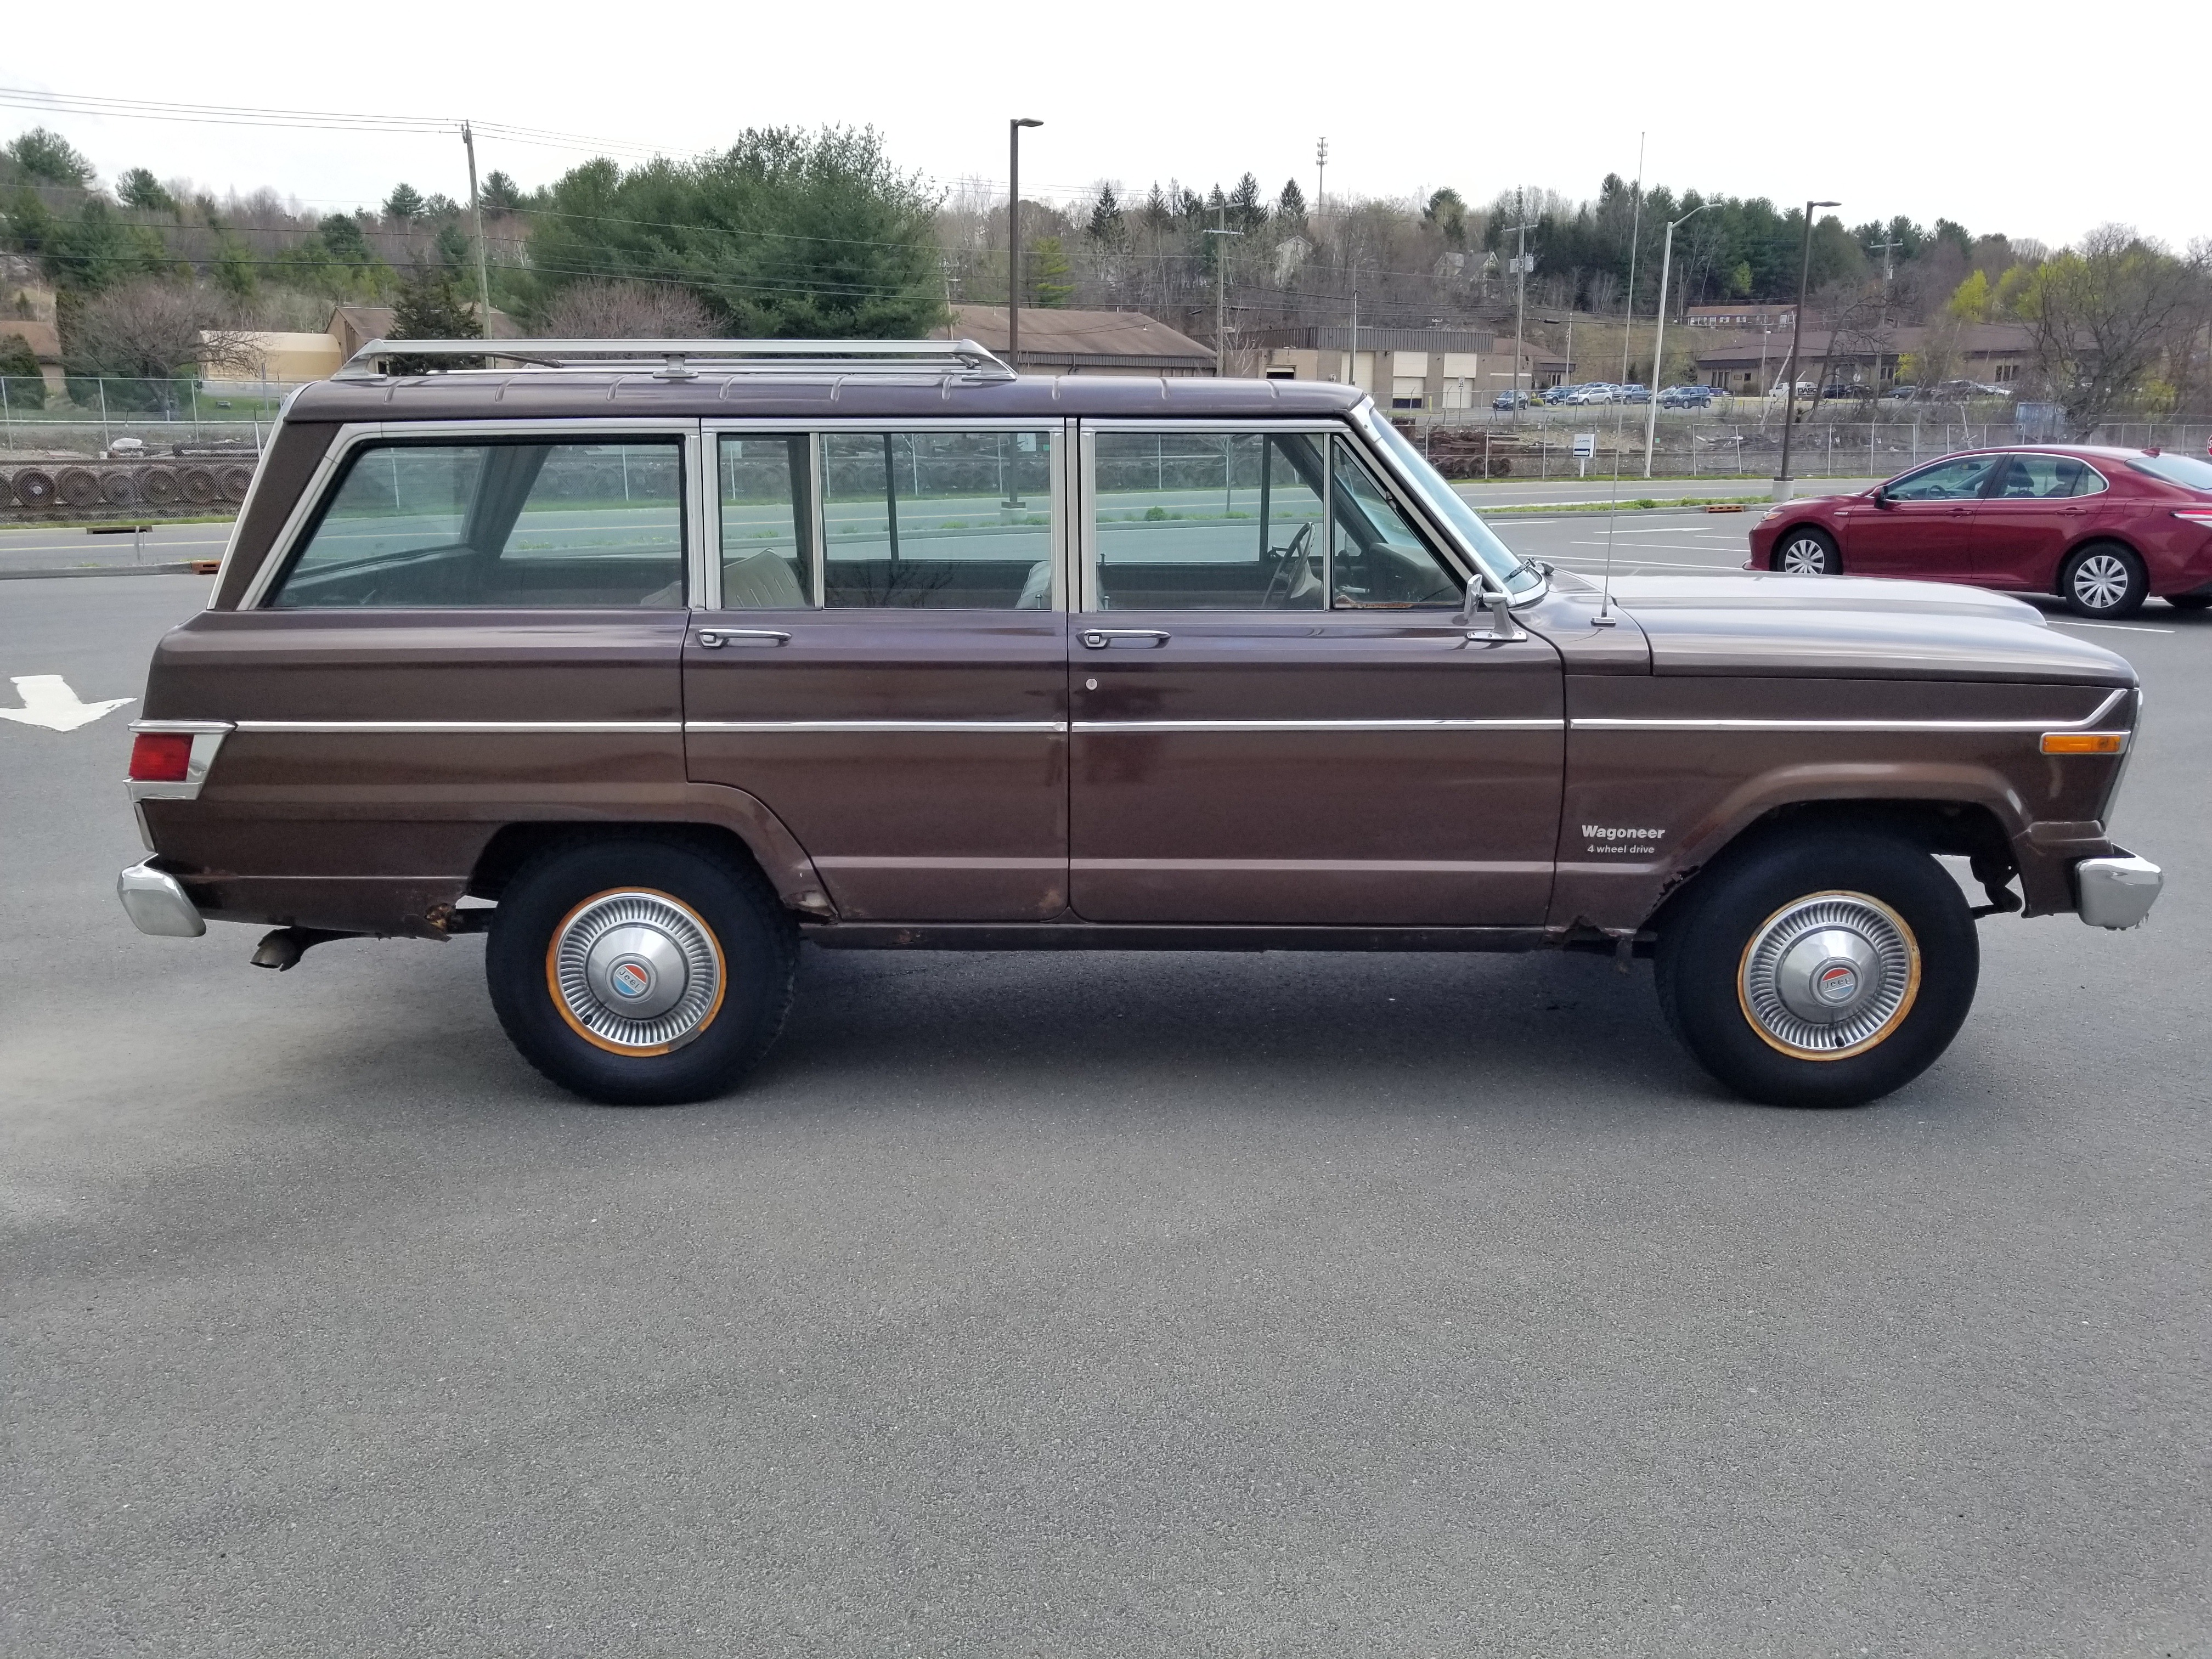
(2102, 529)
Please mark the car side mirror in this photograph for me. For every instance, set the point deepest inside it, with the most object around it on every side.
(1480, 601)
(1880, 496)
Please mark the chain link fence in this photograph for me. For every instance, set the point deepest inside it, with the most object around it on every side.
(1742, 438)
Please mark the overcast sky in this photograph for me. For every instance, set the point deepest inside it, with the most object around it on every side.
(2031, 119)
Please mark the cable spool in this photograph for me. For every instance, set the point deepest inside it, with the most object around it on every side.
(34, 488)
(78, 487)
(159, 485)
(199, 485)
(118, 487)
(235, 481)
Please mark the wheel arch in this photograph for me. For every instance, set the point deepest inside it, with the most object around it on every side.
(1828, 532)
(726, 822)
(2089, 538)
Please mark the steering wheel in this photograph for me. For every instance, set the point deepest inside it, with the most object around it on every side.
(1288, 562)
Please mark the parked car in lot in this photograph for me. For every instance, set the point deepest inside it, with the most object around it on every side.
(2102, 529)
(1594, 393)
(1510, 400)
(1687, 397)
(1632, 394)
(1557, 394)
(653, 661)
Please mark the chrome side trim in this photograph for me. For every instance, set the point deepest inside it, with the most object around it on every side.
(875, 725)
(2084, 723)
(444, 727)
(1323, 866)
(1505, 725)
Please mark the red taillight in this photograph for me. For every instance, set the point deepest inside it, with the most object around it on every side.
(160, 758)
(2199, 516)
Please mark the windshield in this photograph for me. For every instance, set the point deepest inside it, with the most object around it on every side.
(1505, 566)
(2184, 470)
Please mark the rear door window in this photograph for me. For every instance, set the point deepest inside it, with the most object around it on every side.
(938, 519)
(2045, 477)
(505, 525)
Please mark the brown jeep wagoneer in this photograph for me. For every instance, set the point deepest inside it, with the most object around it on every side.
(654, 659)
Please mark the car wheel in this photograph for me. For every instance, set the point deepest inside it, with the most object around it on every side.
(1818, 970)
(2190, 601)
(2103, 579)
(1807, 552)
(638, 972)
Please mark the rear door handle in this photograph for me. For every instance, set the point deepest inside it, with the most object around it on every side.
(714, 638)
(1140, 639)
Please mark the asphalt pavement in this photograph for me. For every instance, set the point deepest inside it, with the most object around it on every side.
(1086, 1304)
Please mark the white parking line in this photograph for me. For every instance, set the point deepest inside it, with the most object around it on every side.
(2118, 628)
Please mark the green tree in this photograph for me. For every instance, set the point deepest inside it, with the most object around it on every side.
(45, 157)
(451, 248)
(1971, 300)
(91, 251)
(1247, 211)
(1048, 269)
(1447, 213)
(233, 271)
(139, 188)
(499, 193)
(431, 306)
(19, 367)
(404, 204)
(1290, 205)
(786, 234)
(1109, 227)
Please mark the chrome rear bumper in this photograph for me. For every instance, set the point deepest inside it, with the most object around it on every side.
(156, 904)
(2116, 892)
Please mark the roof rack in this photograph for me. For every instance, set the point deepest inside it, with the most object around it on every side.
(681, 360)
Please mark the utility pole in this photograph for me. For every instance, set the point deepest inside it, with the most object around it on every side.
(1221, 292)
(1321, 174)
(1351, 357)
(1520, 309)
(475, 210)
(1014, 238)
(1796, 333)
(1628, 305)
(1659, 334)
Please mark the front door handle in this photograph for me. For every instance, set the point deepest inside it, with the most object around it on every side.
(714, 638)
(1141, 639)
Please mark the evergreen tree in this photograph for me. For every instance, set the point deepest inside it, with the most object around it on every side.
(1108, 228)
(1290, 205)
(139, 188)
(19, 367)
(430, 306)
(45, 157)
(405, 203)
(787, 234)
(1047, 268)
(1247, 212)
(234, 269)
(499, 193)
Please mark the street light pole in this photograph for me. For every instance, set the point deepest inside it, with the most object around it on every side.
(1796, 333)
(1014, 238)
(1659, 333)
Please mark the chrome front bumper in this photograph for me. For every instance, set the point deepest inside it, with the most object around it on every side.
(2117, 891)
(156, 904)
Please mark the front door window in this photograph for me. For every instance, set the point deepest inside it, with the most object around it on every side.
(1209, 521)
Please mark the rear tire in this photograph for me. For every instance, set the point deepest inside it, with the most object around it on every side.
(1821, 970)
(638, 972)
(2104, 580)
(1807, 552)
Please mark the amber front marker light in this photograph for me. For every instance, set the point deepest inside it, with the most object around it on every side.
(2085, 743)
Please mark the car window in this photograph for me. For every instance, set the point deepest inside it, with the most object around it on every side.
(1947, 481)
(2045, 477)
(767, 522)
(515, 525)
(938, 519)
(1378, 560)
(1208, 521)
(2187, 471)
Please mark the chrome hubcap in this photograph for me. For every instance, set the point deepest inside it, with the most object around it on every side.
(636, 972)
(2100, 582)
(1830, 975)
(1805, 558)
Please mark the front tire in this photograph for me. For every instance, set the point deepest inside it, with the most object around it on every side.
(638, 972)
(2104, 580)
(1825, 969)
(1807, 552)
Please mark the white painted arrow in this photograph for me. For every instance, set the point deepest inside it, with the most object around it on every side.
(48, 701)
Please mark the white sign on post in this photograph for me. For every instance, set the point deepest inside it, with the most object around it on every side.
(1585, 447)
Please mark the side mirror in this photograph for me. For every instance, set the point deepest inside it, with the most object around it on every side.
(1480, 600)
(1879, 495)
